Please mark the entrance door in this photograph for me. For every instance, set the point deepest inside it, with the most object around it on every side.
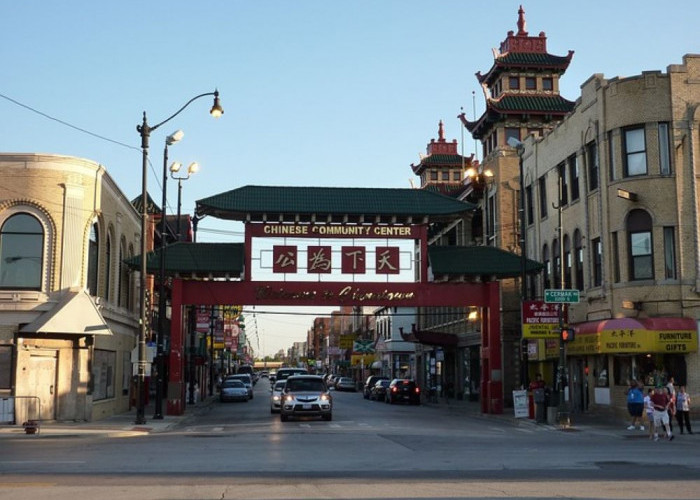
(42, 377)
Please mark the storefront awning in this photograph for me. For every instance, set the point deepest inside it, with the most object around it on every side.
(632, 335)
(377, 365)
(431, 338)
(74, 314)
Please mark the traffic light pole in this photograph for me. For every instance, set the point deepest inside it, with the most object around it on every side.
(563, 408)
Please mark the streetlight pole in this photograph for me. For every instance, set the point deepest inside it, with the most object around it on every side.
(144, 129)
(175, 168)
(158, 415)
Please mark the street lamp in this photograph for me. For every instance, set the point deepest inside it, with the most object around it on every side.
(158, 414)
(144, 129)
(175, 168)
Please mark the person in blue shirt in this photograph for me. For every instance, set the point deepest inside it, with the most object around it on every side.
(635, 405)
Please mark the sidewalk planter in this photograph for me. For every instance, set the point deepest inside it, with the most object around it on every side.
(31, 426)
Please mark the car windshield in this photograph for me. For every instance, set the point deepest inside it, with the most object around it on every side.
(383, 383)
(233, 383)
(279, 386)
(306, 385)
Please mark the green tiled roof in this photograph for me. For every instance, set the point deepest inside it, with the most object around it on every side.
(274, 201)
(532, 104)
(537, 59)
(478, 261)
(442, 159)
(202, 259)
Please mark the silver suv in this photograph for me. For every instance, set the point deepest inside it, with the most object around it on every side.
(306, 396)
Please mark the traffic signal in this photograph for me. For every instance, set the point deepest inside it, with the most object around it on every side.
(567, 334)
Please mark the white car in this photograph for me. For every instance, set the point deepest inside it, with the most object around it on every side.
(246, 379)
(276, 396)
(233, 390)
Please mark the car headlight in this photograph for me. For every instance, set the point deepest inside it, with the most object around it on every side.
(325, 397)
(275, 398)
(288, 398)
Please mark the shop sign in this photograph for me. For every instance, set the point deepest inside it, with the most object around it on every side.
(361, 359)
(631, 341)
(541, 320)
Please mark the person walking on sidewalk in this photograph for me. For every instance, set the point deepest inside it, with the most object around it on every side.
(649, 407)
(683, 409)
(661, 402)
(635, 405)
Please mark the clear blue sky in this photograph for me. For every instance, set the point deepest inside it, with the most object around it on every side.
(325, 93)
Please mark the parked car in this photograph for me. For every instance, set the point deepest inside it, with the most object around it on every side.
(276, 396)
(403, 390)
(345, 384)
(369, 384)
(306, 396)
(233, 390)
(246, 379)
(378, 391)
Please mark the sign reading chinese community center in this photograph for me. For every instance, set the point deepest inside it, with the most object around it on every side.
(335, 252)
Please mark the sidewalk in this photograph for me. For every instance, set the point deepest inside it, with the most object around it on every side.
(120, 425)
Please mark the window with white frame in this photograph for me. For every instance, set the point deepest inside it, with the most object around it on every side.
(635, 152)
(640, 247)
(664, 149)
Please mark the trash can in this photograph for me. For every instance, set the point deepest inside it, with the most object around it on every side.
(539, 395)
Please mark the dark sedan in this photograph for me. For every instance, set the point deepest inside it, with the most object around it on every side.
(378, 390)
(403, 391)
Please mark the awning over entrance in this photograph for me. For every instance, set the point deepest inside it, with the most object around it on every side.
(630, 336)
(74, 314)
(431, 338)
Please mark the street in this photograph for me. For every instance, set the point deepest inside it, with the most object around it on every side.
(369, 450)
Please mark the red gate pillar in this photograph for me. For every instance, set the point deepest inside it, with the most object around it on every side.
(491, 358)
(176, 386)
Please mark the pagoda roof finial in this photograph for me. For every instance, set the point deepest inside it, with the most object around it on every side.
(441, 132)
(521, 22)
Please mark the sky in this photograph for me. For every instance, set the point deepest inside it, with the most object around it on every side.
(315, 93)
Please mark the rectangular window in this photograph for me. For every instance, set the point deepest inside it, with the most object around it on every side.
(445, 175)
(513, 132)
(563, 187)
(433, 175)
(592, 158)
(664, 150)
(669, 254)
(615, 257)
(635, 152)
(529, 209)
(103, 373)
(573, 177)
(514, 82)
(597, 262)
(547, 283)
(641, 262)
(547, 84)
(542, 191)
(5, 366)
(579, 268)
(611, 156)
(530, 83)
(456, 176)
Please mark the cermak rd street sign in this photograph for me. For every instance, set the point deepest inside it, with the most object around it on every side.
(557, 296)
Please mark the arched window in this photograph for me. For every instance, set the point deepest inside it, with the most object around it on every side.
(578, 260)
(556, 254)
(93, 253)
(567, 262)
(640, 245)
(21, 252)
(108, 267)
(547, 276)
(123, 291)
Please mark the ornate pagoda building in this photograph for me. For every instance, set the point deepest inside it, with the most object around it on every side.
(521, 90)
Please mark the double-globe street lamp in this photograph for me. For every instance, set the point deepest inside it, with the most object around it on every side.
(145, 130)
(174, 169)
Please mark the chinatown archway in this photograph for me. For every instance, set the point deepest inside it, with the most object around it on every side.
(335, 247)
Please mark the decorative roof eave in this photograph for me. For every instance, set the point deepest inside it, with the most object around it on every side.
(520, 62)
(480, 262)
(213, 260)
(332, 205)
(452, 161)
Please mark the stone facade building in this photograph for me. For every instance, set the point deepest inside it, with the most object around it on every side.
(623, 168)
(68, 305)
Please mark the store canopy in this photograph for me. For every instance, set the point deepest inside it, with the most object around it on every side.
(635, 335)
(428, 337)
(74, 314)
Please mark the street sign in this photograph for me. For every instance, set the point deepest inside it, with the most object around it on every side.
(557, 296)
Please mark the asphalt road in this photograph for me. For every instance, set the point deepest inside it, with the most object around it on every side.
(369, 450)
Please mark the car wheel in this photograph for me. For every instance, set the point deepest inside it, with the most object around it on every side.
(328, 417)
(283, 417)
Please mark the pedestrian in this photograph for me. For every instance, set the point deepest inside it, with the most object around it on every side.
(649, 406)
(635, 405)
(672, 407)
(683, 409)
(661, 402)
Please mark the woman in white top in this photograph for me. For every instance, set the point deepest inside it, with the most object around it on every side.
(683, 409)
